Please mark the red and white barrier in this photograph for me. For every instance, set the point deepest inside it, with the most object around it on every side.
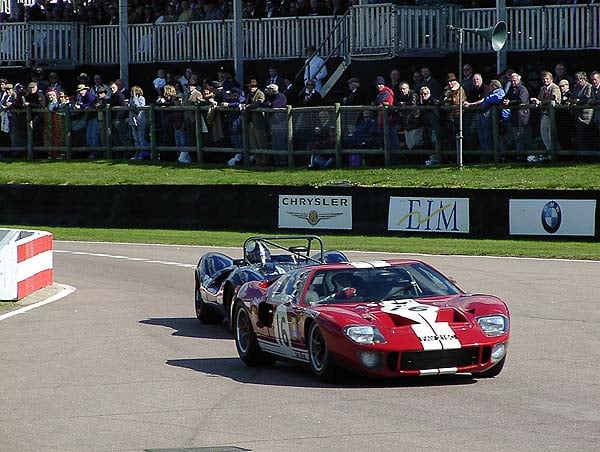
(25, 262)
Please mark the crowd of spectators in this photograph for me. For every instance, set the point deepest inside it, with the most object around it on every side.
(99, 12)
(524, 98)
(102, 12)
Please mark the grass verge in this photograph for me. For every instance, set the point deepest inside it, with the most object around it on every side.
(574, 176)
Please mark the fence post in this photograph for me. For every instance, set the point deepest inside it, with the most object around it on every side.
(198, 121)
(290, 136)
(338, 137)
(386, 137)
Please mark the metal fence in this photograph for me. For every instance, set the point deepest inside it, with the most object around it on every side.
(345, 136)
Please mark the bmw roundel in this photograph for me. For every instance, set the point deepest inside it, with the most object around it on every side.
(551, 217)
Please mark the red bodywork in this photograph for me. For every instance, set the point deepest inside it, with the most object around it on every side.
(430, 335)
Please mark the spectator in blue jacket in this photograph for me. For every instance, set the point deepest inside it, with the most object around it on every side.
(495, 97)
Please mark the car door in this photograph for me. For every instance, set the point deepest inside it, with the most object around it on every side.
(285, 333)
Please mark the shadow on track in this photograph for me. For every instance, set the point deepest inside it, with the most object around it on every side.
(190, 327)
(288, 374)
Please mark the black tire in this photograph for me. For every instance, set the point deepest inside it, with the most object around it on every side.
(491, 373)
(245, 340)
(203, 312)
(322, 364)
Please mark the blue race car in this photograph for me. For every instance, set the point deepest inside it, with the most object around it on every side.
(218, 277)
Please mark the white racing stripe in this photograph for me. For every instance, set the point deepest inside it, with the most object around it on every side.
(370, 264)
(442, 371)
(433, 335)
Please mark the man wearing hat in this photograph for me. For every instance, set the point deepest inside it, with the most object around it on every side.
(453, 96)
(354, 96)
(257, 121)
(314, 68)
(86, 100)
(277, 121)
(36, 100)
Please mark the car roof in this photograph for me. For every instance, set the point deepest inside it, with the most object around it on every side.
(366, 264)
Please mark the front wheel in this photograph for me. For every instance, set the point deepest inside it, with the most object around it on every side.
(491, 373)
(322, 364)
(245, 340)
(203, 312)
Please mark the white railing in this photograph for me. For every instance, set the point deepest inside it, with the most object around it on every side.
(14, 44)
(570, 27)
(57, 42)
(556, 27)
(376, 31)
(372, 30)
(422, 29)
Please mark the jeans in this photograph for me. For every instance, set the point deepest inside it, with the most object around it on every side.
(92, 133)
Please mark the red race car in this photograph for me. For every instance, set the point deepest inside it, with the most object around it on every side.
(383, 318)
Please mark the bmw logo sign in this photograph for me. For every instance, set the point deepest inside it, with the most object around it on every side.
(551, 217)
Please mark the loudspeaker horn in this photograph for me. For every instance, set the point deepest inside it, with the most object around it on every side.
(496, 34)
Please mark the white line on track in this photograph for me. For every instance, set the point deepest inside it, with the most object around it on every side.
(66, 290)
(127, 258)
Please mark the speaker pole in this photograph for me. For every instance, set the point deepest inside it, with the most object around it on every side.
(459, 137)
(501, 55)
(496, 35)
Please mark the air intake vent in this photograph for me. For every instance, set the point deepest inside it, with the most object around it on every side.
(435, 359)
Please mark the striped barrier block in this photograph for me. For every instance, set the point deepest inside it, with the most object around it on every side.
(25, 262)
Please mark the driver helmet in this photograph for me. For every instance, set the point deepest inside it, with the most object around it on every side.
(343, 279)
(257, 253)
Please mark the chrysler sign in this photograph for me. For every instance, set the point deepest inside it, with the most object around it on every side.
(315, 212)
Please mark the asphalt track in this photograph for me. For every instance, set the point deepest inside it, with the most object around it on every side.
(121, 364)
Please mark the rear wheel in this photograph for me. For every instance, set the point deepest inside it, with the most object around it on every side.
(322, 364)
(203, 312)
(491, 373)
(245, 339)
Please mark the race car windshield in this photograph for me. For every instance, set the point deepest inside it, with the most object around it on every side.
(376, 284)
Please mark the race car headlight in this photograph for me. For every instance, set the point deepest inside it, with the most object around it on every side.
(493, 325)
(364, 334)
